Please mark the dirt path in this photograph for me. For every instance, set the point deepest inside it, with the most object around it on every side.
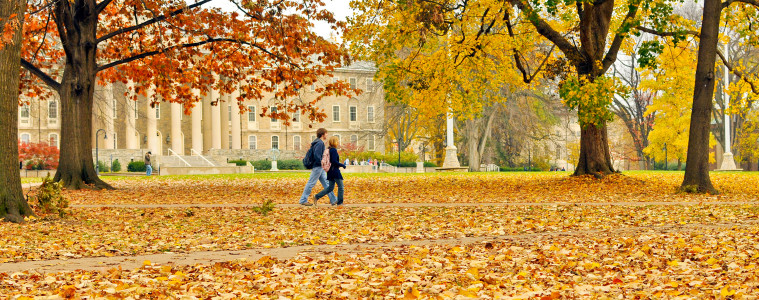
(206, 257)
(424, 204)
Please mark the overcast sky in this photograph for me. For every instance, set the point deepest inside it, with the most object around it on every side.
(340, 8)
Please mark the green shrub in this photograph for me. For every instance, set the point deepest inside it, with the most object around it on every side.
(116, 166)
(519, 169)
(136, 166)
(290, 164)
(429, 164)
(239, 162)
(49, 198)
(102, 167)
(262, 164)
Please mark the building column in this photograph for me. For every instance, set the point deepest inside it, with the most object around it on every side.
(177, 139)
(236, 130)
(109, 117)
(215, 115)
(152, 126)
(225, 121)
(130, 117)
(197, 117)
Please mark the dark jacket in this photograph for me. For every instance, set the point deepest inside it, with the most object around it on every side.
(318, 146)
(335, 165)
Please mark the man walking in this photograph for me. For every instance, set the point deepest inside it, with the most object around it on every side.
(148, 167)
(317, 173)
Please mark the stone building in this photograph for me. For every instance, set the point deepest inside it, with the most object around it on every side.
(219, 131)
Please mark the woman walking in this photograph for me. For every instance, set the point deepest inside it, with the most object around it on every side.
(334, 177)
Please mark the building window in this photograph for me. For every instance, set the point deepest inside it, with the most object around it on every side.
(229, 113)
(252, 142)
(335, 79)
(371, 143)
(251, 113)
(24, 114)
(296, 142)
(354, 139)
(157, 111)
(353, 82)
(353, 112)
(338, 137)
(335, 113)
(136, 111)
(369, 84)
(296, 116)
(26, 138)
(370, 114)
(274, 142)
(53, 137)
(558, 151)
(115, 141)
(313, 87)
(313, 138)
(273, 111)
(52, 112)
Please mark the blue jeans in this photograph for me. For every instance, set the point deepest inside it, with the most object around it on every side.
(331, 188)
(149, 170)
(317, 173)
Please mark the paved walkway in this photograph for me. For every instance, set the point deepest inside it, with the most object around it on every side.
(426, 204)
(206, 257)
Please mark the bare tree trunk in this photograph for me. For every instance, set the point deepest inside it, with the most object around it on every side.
(13, 206)
(697, 163)
(76, 169)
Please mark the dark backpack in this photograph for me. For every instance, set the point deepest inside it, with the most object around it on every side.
(308, 160)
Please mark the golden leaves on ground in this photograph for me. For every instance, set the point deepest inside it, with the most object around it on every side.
(702, 263)
(117, 232)
(423, 188)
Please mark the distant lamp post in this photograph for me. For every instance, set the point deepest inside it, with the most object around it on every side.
(97, 146)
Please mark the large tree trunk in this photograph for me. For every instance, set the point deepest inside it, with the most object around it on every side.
(13, 206)
(697, 163)
(76, 168)
(595, 158)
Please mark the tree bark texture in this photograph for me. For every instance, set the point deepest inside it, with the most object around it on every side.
(13, 206)
(697, 163)
(76, 169)
(595, 157)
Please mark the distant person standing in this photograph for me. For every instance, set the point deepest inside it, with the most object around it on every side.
(317, 173)
(148, 166)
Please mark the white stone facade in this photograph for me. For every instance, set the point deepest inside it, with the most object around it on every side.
(219, 129)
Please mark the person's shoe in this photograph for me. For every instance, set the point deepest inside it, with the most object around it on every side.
(315, 199)
(306, 204)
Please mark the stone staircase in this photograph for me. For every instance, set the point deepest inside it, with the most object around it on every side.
(194, 161)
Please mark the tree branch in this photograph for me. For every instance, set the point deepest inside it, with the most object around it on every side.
(102, 5)
(151, 21)
(611, 55)
(668, 33)
(738, 73)
(190, 45)
(41, 75)
(544, 29)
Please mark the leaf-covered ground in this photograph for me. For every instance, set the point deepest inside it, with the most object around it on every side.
(563, 250)
(115, 231)
(684, 265)
(425, 188)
